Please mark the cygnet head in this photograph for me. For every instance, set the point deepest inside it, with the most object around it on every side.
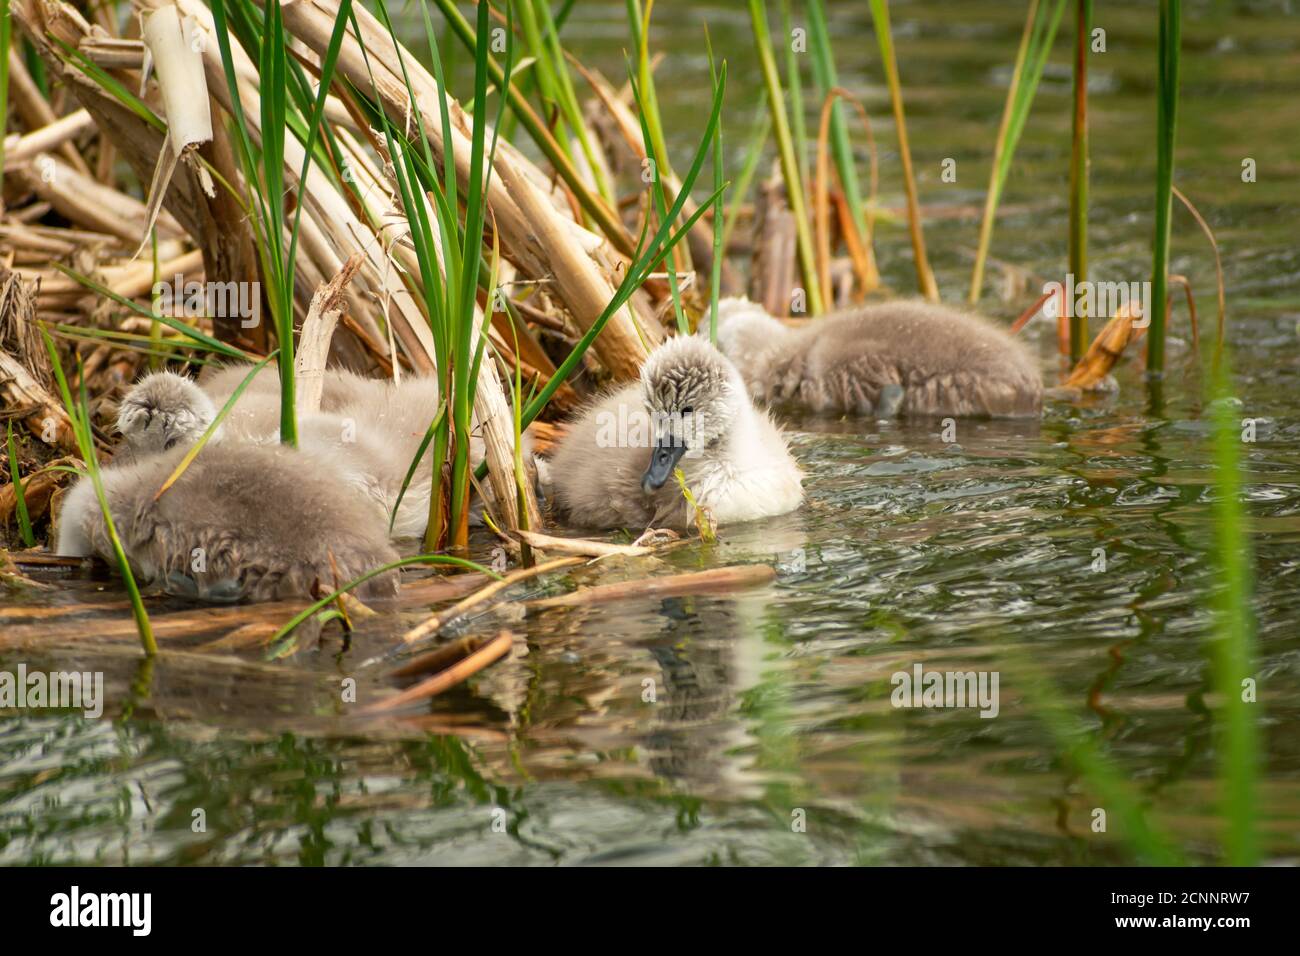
(745, 329)
(163, 410)
(694, 397)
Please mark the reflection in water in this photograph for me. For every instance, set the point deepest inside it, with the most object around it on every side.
(1074, 548)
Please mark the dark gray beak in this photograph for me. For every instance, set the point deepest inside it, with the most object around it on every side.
(663, 459)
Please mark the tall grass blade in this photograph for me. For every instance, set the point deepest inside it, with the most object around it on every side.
(211, 430)
(1232, 647)
(753, 153)
(884, 37)
(79, 416)
(794, 78)
(715, 277)
(648, 254)
(823, 62)
(20, 500)
(591, 202)
(660, 200)
(1031, 58)
(790, 166)
(1221, 327)
(1078, 247)
(1167, 56)
(199, 339)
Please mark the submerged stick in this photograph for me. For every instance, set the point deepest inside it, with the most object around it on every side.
(433, 624)
(699, 582)
(495, 649)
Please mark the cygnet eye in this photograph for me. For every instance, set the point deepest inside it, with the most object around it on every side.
(170, 443)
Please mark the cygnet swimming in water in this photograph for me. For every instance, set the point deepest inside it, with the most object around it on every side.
(613, 467)
(244, 522)
(910, 357)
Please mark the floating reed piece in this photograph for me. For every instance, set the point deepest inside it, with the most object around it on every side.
(432, 625)
(1031, 58)
(884, 37)
(1078, 241)
(1167, 56)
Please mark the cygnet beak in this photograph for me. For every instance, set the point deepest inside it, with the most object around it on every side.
(663, 459)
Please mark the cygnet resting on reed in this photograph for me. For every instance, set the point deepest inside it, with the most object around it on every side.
(911, 357)
(614, 465)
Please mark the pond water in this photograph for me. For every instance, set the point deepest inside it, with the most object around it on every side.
(772, 738)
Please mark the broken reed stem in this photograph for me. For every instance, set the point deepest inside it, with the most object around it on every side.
(312, 354)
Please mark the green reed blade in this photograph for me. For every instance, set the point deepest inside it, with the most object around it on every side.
(885, 40)
(794, 184)
(1031, 59)
(79, 416)
(1167, 56)
(279, 646)
(20, 499)
(1232, 646)
(211, 430)
(1078, 243)
(823, 62)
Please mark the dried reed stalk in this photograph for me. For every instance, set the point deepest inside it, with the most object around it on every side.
(531, 238)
